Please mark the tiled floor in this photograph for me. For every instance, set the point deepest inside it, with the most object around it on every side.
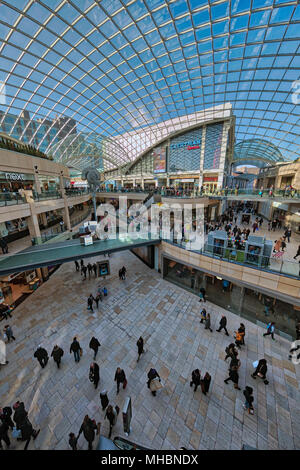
(176, 343)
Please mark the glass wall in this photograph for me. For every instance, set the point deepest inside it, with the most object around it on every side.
(185, 152)
(244, 302)
(213, 143)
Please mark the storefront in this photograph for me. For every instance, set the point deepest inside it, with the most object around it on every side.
(12, 182)
(17, 287)
(256, 306)
(210, 183)
(14, 229)
(49, 183)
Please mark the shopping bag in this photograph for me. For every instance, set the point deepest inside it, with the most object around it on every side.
(81, 352)
(155, 385)
(16, 433)
(124, 384)
(255, 364)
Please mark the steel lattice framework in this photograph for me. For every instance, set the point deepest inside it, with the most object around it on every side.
(115, 67)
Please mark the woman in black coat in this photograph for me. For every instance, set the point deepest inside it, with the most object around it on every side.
(94, 373)
(88, 428)
(57, 354)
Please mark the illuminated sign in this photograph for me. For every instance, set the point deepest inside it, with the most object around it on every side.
(191, 144)
(159, 160)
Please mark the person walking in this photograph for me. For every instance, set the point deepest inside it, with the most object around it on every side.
(233, 374)
(207, 323)
(104, 399)
(288, 234)
(298, 253)
(57, 354)
(270, 330)
(203, 315)
(223, 323)
(27, 432)
(120, 377)
(124, 270)
(120, 274)
(83, 271)
(9, 333)
(73, 441)
(140, 346)
(5, 416)
(248, 394)
(202, 294)
(41, 355)
(76, 265)
(4, 435)
(152, 375)
(95, 269)
(3, 245)
(94, 345)
(90, 269)
(112, 415)
(94, 374)
(90, 301)
(88, 428)
(261, 370)
(196, 379)
(76, 349)
(205, 383)
(242, 331)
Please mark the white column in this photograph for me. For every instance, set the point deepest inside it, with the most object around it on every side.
(223, 155)
(202, 156)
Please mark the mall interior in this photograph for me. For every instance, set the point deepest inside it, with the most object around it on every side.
(155, 105)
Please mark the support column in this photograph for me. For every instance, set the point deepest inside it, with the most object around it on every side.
(241, 300)
(44, 219)
(202, 151)
(223, 155)
(33, 224)
(66, 215)
(142, 183)
(37, 183)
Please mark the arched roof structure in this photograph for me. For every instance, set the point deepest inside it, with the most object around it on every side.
(114, 67)
(257, 152)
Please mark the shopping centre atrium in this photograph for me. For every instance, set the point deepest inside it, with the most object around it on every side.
(112, 111)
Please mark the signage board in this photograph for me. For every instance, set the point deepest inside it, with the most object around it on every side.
(159, 160)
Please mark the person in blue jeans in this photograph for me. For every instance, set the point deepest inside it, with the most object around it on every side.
(75, 348)
(270, 330)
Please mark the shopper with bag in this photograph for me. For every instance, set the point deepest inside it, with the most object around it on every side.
(140, 346)
(120, 377)
(261, 370)
(94, 374)
(154, 381)
(104, 399)
(270, 330)
(42, 356)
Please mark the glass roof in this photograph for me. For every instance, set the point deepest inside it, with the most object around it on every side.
(258, 152)
(113, 67)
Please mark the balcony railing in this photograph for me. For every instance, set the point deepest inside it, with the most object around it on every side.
(10, 199)
(274, 263)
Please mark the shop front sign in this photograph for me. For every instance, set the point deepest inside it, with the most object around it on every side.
(189, 144)
(12, 176)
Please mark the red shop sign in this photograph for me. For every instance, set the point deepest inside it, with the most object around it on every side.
(210, 179)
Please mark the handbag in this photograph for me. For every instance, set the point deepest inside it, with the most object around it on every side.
(16, 433)
(81, 352)
(155, 385)
(124, 383)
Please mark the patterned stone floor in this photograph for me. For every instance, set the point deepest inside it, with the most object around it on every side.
(176, 343)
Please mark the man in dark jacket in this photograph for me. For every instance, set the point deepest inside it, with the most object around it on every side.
(88, 428)
(152, 374)
(94, 345)
(196, 378)
(75, 348)
(120, 377)
(20, 413)
(223, 323)
(140, 345)
(3, 245)
(57, 354)
(94, 373)
(41, 355)
(90, 301)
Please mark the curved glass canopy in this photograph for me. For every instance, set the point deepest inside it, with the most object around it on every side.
(112, 67)
(257, 152)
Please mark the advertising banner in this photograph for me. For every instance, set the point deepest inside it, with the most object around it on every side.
(159, 160)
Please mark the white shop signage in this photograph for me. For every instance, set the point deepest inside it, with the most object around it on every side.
(11, 176)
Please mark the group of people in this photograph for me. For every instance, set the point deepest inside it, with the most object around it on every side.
(90, 268)
(19, 424)
(101, 292)
(122, 273)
